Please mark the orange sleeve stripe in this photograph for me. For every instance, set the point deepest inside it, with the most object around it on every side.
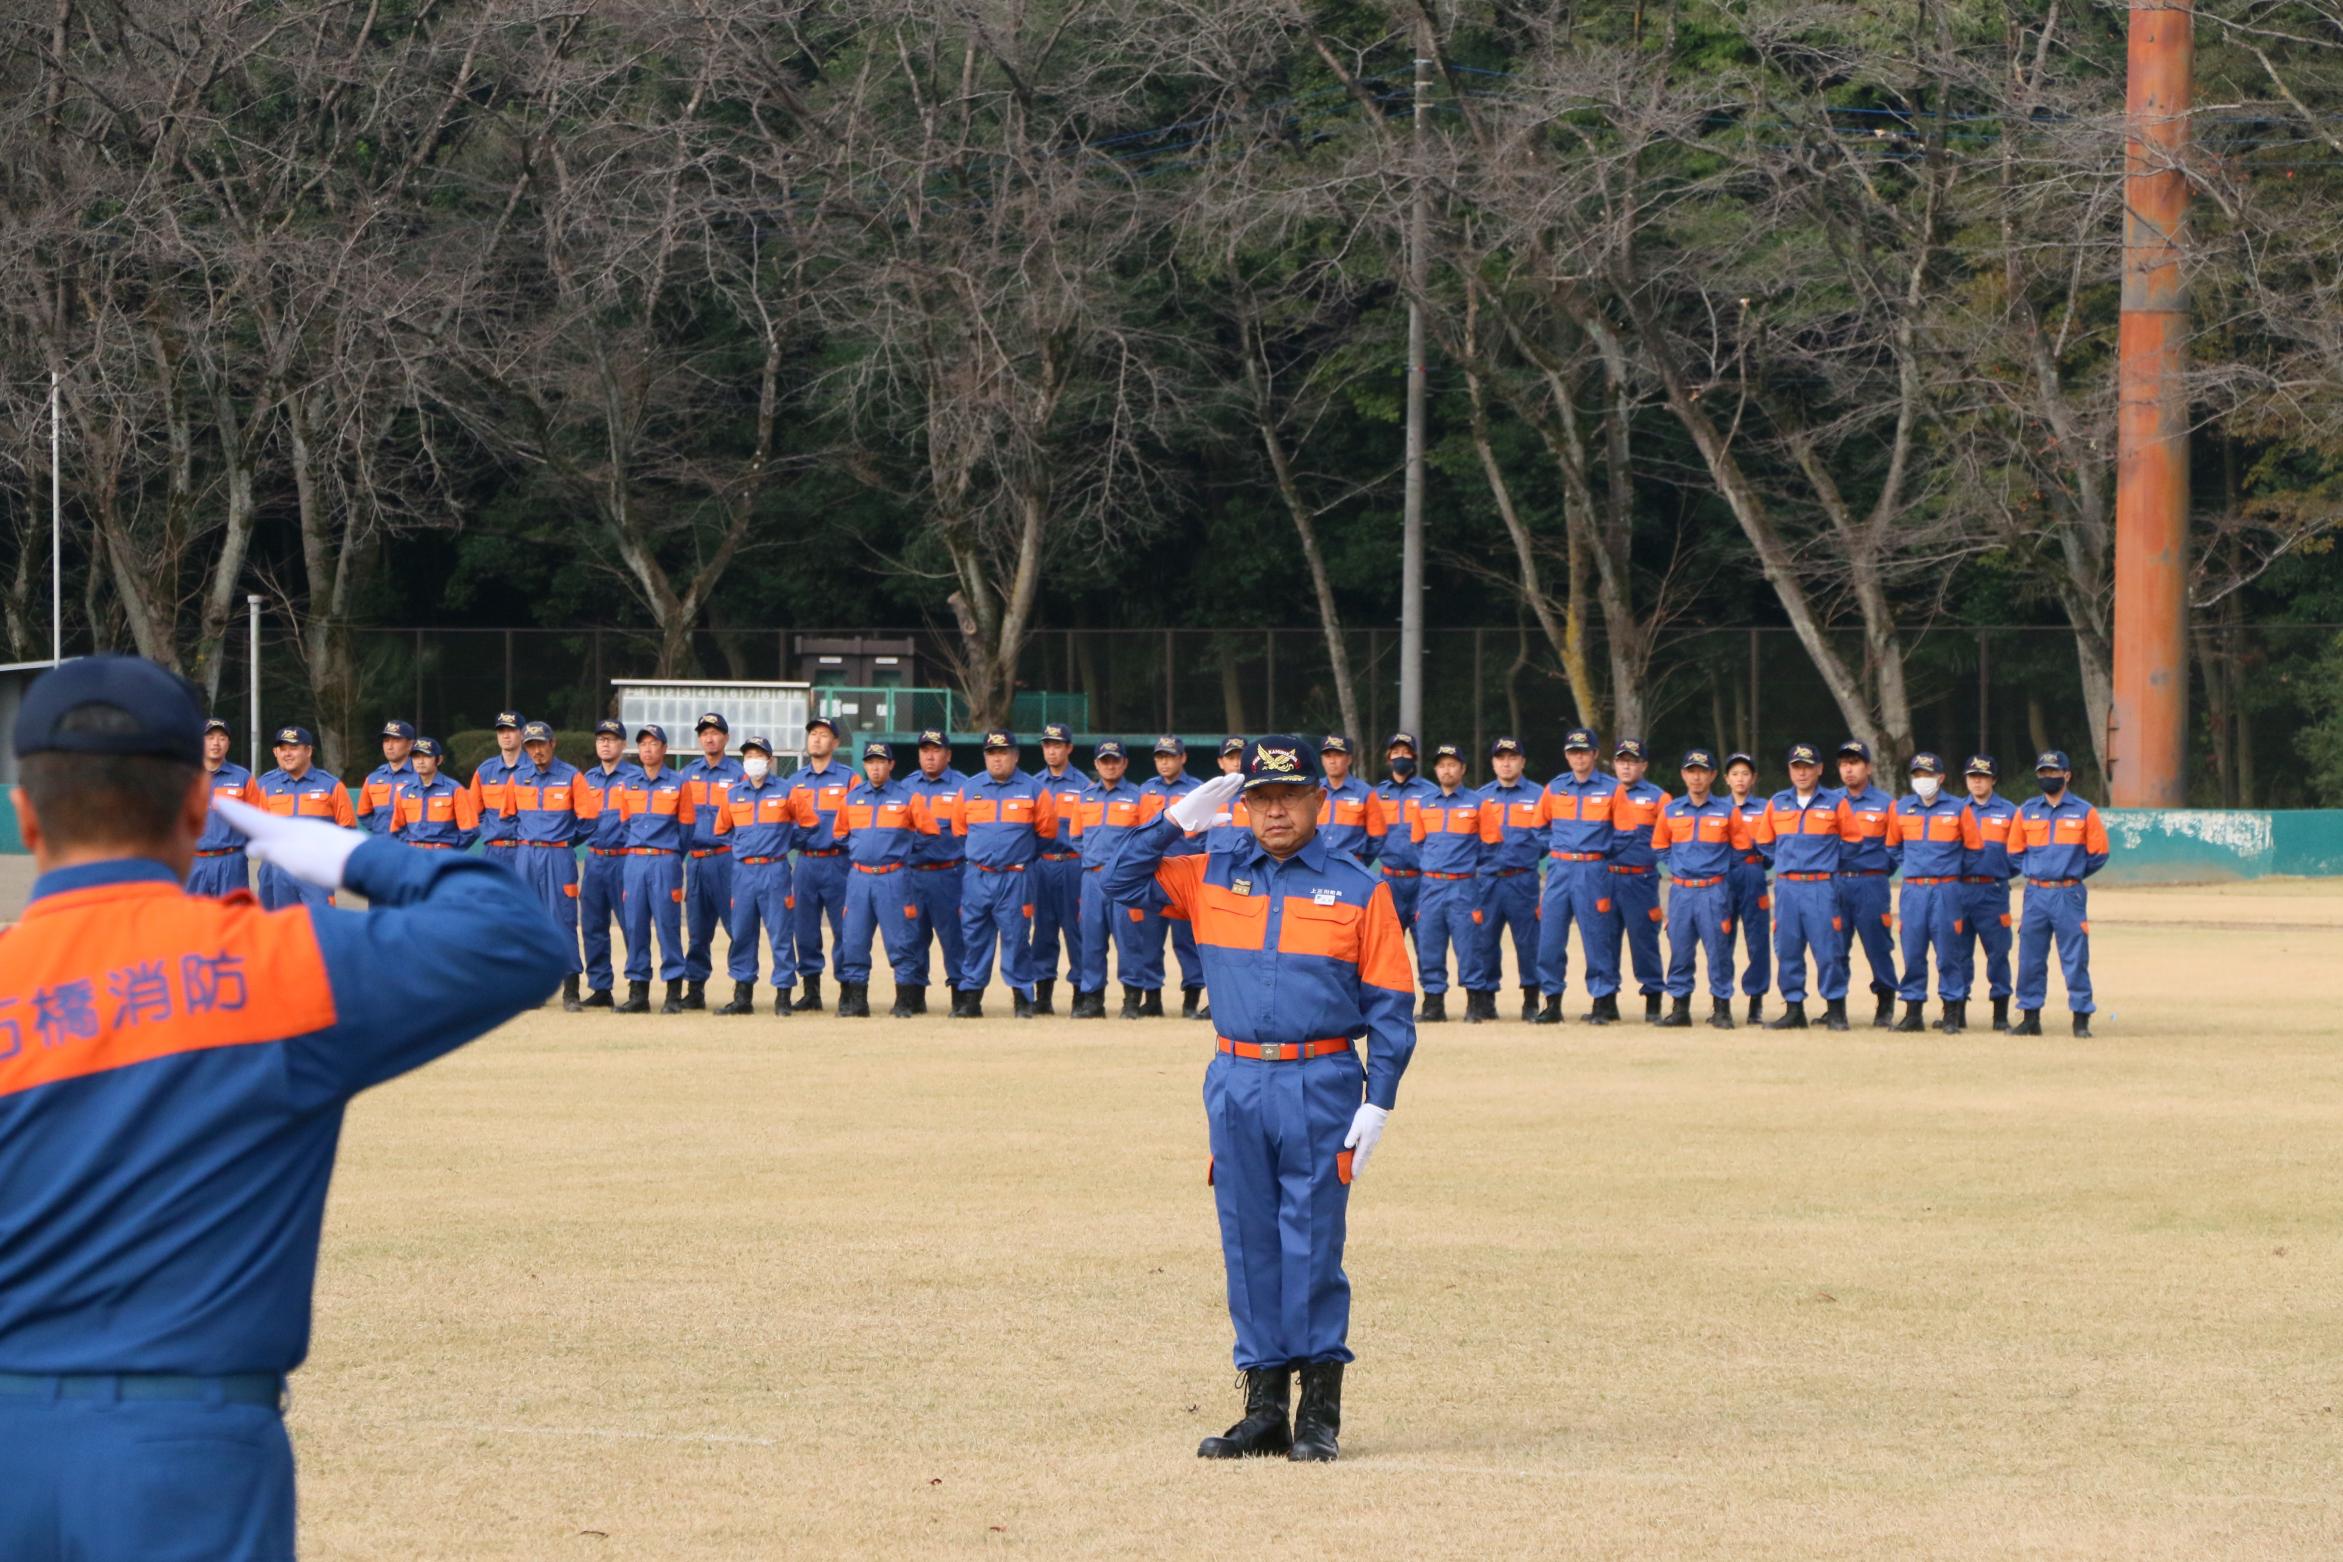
(1383, 958)
(1182, 881)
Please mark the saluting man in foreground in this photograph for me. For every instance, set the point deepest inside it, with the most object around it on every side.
(1303, 960)
(173, 1071)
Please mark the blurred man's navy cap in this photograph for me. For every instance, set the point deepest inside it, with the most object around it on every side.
(876, 750)
(122, 706)
(398, 729)
(1056, 732)
(509, 718)
(1579, 737)
(1280, 760)
(1170, 743)
(537, 732)
(610, 726)
(1855, 748)
(287, 735)
(1983, 765)
(651, 729)
(824, 723)
(428, 748)
(1397, 739)
(713, 719)
(1334, 743)
(1232, 744)
(217, 724)
(1109, 748)
(762, 745)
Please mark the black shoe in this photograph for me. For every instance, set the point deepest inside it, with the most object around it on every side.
(599, 998)
(2029, 1023)
(1020, 1006)
(967, 1004)
(1834, 1015)
(744, 999)
(1133, 1001)
(638, 999)
(1883, 1010)
(1793, 1018)
(1720, 1013)
(854, 1000)
(1605, 1010)
(2001, 1015)
(1318, 1418)
(781, 1008)
(906, 1001)
(695, 995)
(1265, 1429)
(1479, 1007)
(1434, 1011)
(1651, 1008)
(674, 1000)
(810, 1001)
(1151, 1004)
(569, 995)
(1529, 1005)
(1678, 1017)
(1757, 1008)
(1956, 1017)
(1192, 1003)
(1550, 1013)
(1088, 1005)
(1911, 1020)
(2082, 1025)
(919, 999)
(1044, 996)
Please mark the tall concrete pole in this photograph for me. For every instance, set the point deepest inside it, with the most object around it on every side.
(2147, 746)
(1411, 541)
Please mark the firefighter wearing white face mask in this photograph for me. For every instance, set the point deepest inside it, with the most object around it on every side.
(1933, 837)
(761, 820)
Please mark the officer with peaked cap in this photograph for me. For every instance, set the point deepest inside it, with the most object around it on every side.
(1305, 961)
(220, 867)
(173, 1076)
(1107, 811)
(1864, 896)
(542, 802)
(1985, 905)
(659, 815)
(1451, 841)
(1005, 819)
(882, 821)
(430, 812)
(1402, 786)
(1635, 873)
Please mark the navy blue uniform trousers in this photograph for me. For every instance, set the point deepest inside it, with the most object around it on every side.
(101, 1480)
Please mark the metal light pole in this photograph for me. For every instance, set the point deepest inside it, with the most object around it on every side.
(2148, 726)
(1411, 545)
(252, 703)
(56, 521)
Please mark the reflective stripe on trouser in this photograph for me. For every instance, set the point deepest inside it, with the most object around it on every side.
(1935, 917)
(1806, 916)
(1986, 908)
(552, 875)
(1276, 1130)
(1636, 898)
(654, 894)
(1700, 916)
(707, 899)
(1578, 892)
(2063, 914)
(217, 876)
(1509, 903)
(881, 903)
(601, 897)
(1449, 912)
(937, 895)
(1865, 909)
(1057, 917)
(278, 889)
(821, 892)
(761, 892)
(1104, 922)
(993, 907)
(92, 1478)
(1753, 916)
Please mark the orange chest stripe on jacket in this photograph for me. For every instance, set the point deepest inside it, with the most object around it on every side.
(105, 978)
(1228, 920)
(1331, 932)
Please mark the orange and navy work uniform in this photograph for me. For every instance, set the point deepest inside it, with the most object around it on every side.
(821, 860)
(1700, 843)
(1865, 904)
(1986, 904)
(311, 795)
(2058, 843)
(541, 803)
(1635, 881)
(1805, 839)
(434, 815)
(1004, 826)
(220, 867)
(1352, 821)
(602, 876)
(1304, 961)
(1450, 832)
(492, 795)
(1513, 823)
(659, 817)
(1097, 825)
(881, 826)
(379, 790)
(1581, 835)
(761, 822)
(1935, 843)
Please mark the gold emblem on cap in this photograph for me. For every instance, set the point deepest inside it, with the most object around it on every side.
(1282, 760)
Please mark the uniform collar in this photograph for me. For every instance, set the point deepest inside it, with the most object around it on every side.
(1312, 855)
(92, 875)
(1011, 779)
(1593, 778)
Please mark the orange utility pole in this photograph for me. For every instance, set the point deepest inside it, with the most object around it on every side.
(2147, 745)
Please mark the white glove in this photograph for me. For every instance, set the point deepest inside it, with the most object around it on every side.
(1196, 810)
(1366, 1132)
(311, 850)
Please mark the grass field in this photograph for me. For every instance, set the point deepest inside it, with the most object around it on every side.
(700, 1287)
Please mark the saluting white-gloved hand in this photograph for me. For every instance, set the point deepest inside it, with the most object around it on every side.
(1366, 1132)
(311, 850)
(1208, 804)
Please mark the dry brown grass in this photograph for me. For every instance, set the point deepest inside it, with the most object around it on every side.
(679, 1288)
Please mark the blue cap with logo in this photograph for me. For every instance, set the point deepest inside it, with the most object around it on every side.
(1926, 764)
(1629, 748)
(398, 729)
(1234, 743)
(1504, 746)
(1580, 737)
(1739, 758)
(933, 737)
(1334, 743)
(610, 726)
(1110, 748)
(1442, 751)
(510, 718)
(713, 719)
(1983, 765)
(213, 724)
(1855, 748)
(2052, 759)
(1056, 732)
(1279, 760)
(1698, 759)
(1804, 754)
(287, 735)
(877, 750)
(999, 738)
(537, 732)
(427, 747)
(1399, 740)
(650, 729)
(762, 745)
(1170, 743)
(121, 706)
(823, 723)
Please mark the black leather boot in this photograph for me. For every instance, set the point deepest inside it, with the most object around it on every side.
(1605, 1010)
(1434, 1011)
(967, 1004)
(1911, 1020)
(1834, 1015)
(695, 995)
(1265, 1429)
(569, 995)
(1529, 1005)
(1088, 1005)
(638, 999)
(1020, 1006)
(1651, 1008)
(599, 998)
(674, 1001)
(1479, 1006)
(781, 1009)
(1956, 1017)
(1793, 1017)
(2082, 1025)
(1883, 1010)
(906, 1004)
(919, 1000)
(1045, 996)
(1551, 1013)
(744, 999)
(854, 1000)
(1133, 1000)
(2029, 1023)
(1318, 1418)
(1151, 1004)
(1679, 1015)
(1720, 1013)
(810, 1001)
(1757, 1008)
(1192, 1003)
(2001, 1015)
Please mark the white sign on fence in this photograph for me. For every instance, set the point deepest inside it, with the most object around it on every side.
(769, 710)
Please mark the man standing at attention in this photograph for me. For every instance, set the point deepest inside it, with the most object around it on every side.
(1057, 873)
(1806, 827)
(657, 807)
(490, 784)
(1004, 819)
(220, 868)
(542, 797)
(1985, 903)
(937, 860)
(1635, 872)
(1170, 783)
(1753, 902)
(821, 786)
(383, 782)
(760, 823)
(1509, 894)
(602, 884)
(1399, 864)
(1580, 838)
(295, 791)
(1305, 961)
(1108, 811)
(2059, 842)
(1864, 896)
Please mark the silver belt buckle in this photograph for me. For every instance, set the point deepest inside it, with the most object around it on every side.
(1273, 1052)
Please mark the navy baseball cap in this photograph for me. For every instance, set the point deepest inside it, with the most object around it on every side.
(509, 718)
(1739, 758)
(1056, 732)
(1804, 754)
(1505, 746)
(1982, 765)
(287, 735)
(1232, 744)
(933, 737)
(1111, 748)
(1334, 743)
(121, 706)
(763, 746)
(1442, 751)
(998, 738)
(2052, 759)
(651, 730)
(712, 719)
(1279, 760)
(1629, 748)
(537, 732)
(427, 747)
(1397, 739)
(1925, 764)
(398, 729)
(1169, 743)
(876, 750)
(610, 726)
(1855, 748)
(1698, 759)
(823, 722)
(216, 724)
(1579, 737)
